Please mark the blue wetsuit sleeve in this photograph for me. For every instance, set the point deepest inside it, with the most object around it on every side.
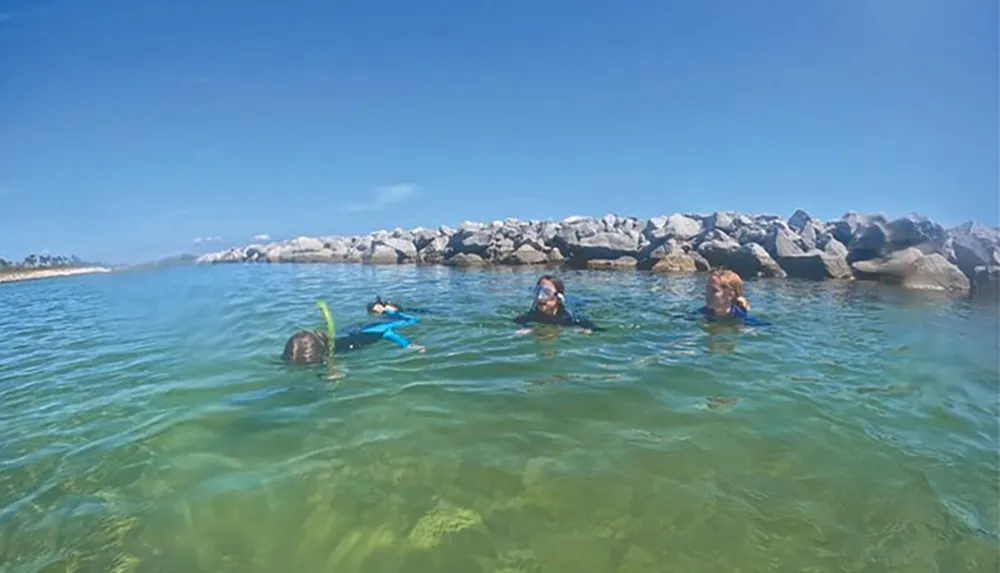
(393, 336)
(523, 319)
(401, 317)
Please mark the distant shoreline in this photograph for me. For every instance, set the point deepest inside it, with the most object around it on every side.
(18, 275)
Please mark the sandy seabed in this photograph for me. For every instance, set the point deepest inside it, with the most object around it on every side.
(31, 274)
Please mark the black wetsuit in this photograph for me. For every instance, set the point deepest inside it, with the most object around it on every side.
(561, 318)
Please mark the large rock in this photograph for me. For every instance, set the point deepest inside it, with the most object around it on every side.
(717, 251)
(619, 263)
(975, 245)
(874, 237)
(465, 260)
(683, 228)
(526, 255)
(911, 268)
(675, 263)
(751, 260)
(405, 250)
(725, 221)
(468, 241)
(435, 251)
(985, 282)
(583, 243)
(781, 243)
(381, 254)
(799, 220)
(816, 265)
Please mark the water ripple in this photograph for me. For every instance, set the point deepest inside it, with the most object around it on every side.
(148, 426)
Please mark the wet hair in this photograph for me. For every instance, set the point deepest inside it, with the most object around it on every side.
(306, 347)
(734, 284)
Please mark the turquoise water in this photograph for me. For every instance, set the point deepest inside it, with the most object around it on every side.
(149, 426)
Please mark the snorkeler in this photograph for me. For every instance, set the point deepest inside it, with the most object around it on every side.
(312, 346)
(725, 298)
(549, 307)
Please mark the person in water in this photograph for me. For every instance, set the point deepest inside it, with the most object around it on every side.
(313, 346)
(725, 299)
(549, 307)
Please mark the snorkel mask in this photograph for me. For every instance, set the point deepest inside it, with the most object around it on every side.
(544, 293)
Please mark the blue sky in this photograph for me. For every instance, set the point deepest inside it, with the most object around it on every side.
(130, 129)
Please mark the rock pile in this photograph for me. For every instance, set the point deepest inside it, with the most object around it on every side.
(911, 251)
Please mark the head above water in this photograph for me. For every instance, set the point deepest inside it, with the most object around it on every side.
(306, 347)
(723, 291)
(549, 294)
(378, 306)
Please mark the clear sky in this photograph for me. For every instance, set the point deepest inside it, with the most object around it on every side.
(130, 129)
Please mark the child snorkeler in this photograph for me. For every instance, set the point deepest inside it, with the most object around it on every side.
(313, 346)
(725, 299)
(549, 307)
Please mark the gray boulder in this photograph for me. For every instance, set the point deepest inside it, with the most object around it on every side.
(467, 241)
(465, 260)
(985, 282)
(781, 243)
(717, 251)
(618, 263)
(435, 251)
(832, 247)
(683, 228)
(381, 254)
(975, 245)
(799, 220)
(406, 251)
(526, 255)
(725, 221)
(911, 268)
(583, 243)
(751, 260)
(816, 265)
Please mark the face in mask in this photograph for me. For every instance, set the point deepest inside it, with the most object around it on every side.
(547, 298)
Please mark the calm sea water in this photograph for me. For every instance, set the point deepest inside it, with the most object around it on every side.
(148, 425)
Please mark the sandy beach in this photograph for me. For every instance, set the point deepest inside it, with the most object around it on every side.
(32, 274)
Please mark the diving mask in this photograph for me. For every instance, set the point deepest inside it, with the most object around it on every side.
(545, 292)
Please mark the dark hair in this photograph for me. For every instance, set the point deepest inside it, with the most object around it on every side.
(306, 347)
(556, 282)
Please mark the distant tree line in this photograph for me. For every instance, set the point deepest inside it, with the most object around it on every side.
(43, 262)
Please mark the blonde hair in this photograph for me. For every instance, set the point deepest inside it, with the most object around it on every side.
(734, 284)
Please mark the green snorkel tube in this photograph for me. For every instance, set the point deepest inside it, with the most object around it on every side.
(330, 330)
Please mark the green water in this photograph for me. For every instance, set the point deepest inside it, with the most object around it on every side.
(147, 425)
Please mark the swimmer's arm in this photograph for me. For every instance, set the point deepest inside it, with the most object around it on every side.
(393, 336)
(401, 316)
(586, 324)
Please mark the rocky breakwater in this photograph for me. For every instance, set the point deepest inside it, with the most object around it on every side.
(911, 251)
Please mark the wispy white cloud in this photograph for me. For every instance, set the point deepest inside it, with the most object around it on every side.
(384, 197)
(200, 240)
(262, 237)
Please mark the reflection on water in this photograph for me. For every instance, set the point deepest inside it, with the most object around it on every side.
(147, 426)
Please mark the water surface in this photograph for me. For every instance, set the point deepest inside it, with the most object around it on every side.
(148, 426)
